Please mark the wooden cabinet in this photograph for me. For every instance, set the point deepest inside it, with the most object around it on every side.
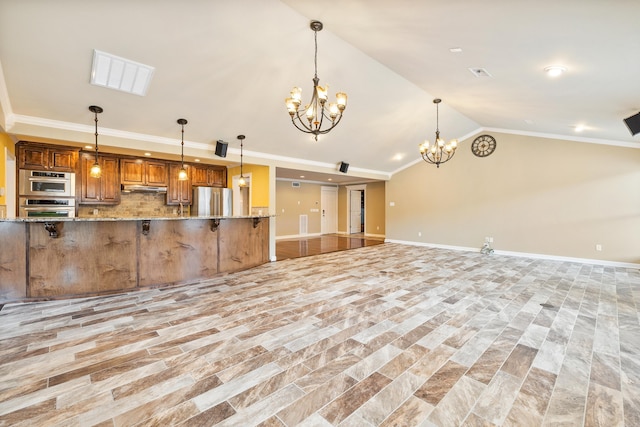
(104, 190)
(143, 172)
(42, 157)
(209, 176)
(178, 191)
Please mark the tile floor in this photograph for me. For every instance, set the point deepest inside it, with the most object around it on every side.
(386, 335)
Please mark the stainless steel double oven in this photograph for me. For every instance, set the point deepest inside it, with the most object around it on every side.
(46, 194)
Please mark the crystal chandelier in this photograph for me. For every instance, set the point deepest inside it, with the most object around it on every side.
(439, 151)
(316, 111)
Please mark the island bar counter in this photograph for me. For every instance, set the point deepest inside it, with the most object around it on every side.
(62, 258)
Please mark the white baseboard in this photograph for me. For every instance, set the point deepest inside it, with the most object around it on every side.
(522, 254)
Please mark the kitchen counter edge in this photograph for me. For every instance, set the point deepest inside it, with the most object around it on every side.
(96, 219)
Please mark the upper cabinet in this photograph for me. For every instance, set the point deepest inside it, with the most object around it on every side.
(178, 192)
(208, 176)
(104, 190)
(47, 157)
(143, 172)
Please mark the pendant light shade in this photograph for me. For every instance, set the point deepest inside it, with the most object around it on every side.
(242, 182)
(182, 174)
(96, 171)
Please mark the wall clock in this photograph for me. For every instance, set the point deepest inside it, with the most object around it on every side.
(483, 145)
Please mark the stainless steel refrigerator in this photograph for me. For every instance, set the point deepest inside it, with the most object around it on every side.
(212, 201)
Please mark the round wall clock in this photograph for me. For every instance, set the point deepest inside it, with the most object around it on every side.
(483, 145)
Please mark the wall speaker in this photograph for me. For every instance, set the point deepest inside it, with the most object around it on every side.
(344, 167)
(221, 148)
(633, 123)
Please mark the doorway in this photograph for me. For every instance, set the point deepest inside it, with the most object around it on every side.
(328, 210)
(10, 184)
(356, 216)
(241, 196)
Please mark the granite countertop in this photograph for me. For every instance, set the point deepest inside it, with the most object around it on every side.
(104, 219)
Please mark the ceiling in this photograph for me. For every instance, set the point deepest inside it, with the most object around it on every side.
(228, 65)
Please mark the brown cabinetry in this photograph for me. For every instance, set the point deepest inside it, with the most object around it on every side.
(178, 192)
(208, 176)
(104, 190)
(44, 157)
(143, 172)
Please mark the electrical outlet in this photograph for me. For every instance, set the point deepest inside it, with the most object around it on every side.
(598, 247)
(488, 239)
(419, 233)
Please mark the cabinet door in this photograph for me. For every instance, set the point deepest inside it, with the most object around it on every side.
(99, 191)
(63, 160)
(219, 177)
(178, 191)
(31, 157)
(199, 175)
(110, 180)
(156, 173)
(132, 171)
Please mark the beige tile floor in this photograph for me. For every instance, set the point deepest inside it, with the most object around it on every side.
(387, 335)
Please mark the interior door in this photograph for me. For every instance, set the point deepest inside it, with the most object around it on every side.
(355, 211)
(329, 210)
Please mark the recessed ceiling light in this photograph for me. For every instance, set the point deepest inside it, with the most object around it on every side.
(330, 179)
(554, 70)
(147, 154)
(455, 50)
(88, 147)
(580, 128)
(301, 176)
(196, 160)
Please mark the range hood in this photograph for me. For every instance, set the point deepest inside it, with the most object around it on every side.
(142, 188)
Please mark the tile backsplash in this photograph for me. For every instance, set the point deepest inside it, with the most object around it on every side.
(148, 205)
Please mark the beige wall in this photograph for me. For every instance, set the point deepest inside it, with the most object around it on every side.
(291, 202)
(532, 195)
(375, 213)
(287, 198)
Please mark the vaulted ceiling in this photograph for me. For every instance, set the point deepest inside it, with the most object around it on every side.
(228, 65)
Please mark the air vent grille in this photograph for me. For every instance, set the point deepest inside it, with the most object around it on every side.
(479, 72)
(120, 74)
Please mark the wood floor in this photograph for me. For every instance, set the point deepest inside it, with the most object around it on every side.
(306, 246)
(384, 335)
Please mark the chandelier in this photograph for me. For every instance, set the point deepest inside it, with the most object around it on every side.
(96, 171)
(316, 111)
(439, 151)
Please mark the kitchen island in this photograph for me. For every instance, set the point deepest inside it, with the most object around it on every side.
(52, 258)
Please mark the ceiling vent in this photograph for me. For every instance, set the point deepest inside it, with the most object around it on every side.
(295, 184)
(120, 74)
(479, 72)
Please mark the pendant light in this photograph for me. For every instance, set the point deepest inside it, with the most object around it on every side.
(182, 174)
(242, 182)
(96, 171)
